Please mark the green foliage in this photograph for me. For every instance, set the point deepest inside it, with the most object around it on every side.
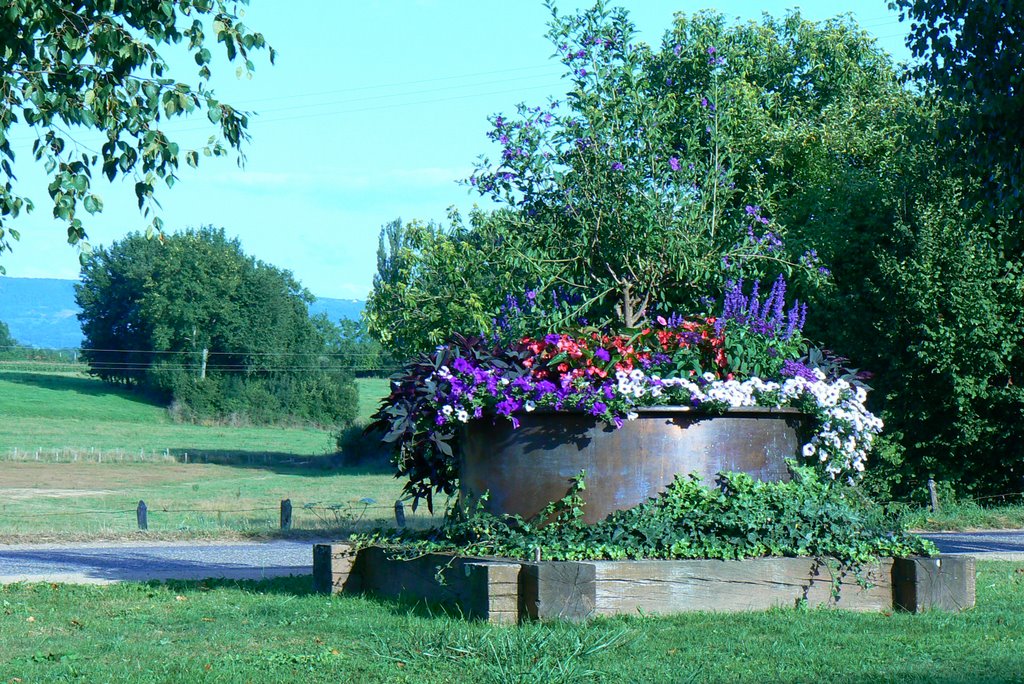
(432, 282)
(155, 314)
(352, 346)
(953, 397)
(966, 55)
(739, 518)
(92, 65)
(7, 343)
(625, 193)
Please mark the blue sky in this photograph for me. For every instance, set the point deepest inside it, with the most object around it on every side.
(373, 111)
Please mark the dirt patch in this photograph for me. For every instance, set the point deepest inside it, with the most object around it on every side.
(93, 476)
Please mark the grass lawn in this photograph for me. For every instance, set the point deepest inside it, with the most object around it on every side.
(278, 631)
(76, 456)
(967, 516)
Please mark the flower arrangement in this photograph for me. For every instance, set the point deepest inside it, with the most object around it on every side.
(753, 354)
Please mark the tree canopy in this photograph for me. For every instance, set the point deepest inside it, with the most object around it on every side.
(94, 65)
(969, 52)
(198, 322)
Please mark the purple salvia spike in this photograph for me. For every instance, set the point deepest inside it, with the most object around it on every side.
(755, 303)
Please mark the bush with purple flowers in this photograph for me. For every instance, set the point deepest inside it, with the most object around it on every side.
(623, 191)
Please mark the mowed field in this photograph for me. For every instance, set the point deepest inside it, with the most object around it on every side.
(76, 457)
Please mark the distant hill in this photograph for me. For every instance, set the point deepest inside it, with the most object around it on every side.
(41, 312)
(337, 308)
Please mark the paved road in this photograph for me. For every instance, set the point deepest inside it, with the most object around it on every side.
(992, 545)
(104, 563)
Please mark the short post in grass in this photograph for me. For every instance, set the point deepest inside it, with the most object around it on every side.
(141, 515)
(286, 514)
(399, 514)
(934, 494)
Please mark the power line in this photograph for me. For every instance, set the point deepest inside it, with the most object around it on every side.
(127, 367)
(172, 351)
(396, 84)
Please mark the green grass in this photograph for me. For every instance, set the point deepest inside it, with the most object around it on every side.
(278, 631)
(371, 391)
(77, 455)
(967, 516)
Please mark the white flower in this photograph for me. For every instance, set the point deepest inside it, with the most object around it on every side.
(636, 375)
(530, 405)
(447, 410)
(462, 416)
(808, 450)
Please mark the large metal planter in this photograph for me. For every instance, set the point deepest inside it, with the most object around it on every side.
(526, 468)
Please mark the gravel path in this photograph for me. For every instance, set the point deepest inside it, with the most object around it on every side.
(115, 562)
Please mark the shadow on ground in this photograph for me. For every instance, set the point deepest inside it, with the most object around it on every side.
(78, 384)
(177, 562)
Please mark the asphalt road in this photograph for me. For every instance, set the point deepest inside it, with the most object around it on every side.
(105, 563)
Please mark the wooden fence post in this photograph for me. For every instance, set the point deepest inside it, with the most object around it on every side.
(286, 514)
(141, 515)
(399, 514)
(934, 495)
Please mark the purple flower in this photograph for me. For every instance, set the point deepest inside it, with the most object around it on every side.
(552, 338)
(608, 391)
(523, 384)
(673, 163)
(617, 166)
(795, 369)
(461, 365)
(599, 408)
(602, 354)
(507, 406)
(677, 49)
(711, 50)
(544, 387)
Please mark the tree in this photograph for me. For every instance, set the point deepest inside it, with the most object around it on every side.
(969, 54)
(351, 343)
(6, 341)
(432, 281)
(629, 192)
(94, 65)
(199, 323)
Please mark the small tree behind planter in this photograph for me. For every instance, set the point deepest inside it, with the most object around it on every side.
(622, 193)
